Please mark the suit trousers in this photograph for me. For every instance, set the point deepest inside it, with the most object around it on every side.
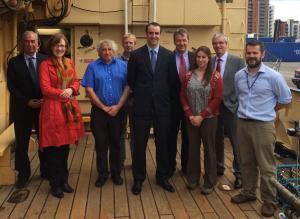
(23, 125)
(57, 160)
(257, 143)
(107, 132)
(227, 122)
(141, 128)
(205, 133)
(178, 122)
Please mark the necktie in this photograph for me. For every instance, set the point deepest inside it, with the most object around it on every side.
(218, 68)
(153, 59)
(182, 68)
(33, 73)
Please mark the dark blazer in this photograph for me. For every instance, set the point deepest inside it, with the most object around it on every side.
(176, 83)
(232, 66)
(20, 83)
(151, 90)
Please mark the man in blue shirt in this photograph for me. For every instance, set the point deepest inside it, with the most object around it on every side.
(261, 91)
(105, 81)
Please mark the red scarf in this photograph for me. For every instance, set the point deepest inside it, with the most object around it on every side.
(65, 75)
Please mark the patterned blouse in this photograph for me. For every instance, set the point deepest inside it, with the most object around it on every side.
(197, 94)
(199, 100)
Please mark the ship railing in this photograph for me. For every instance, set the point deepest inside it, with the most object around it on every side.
(276, 64)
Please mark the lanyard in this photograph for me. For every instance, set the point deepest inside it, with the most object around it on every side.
(250, 86)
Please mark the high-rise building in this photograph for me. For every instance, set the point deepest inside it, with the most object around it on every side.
(292, 28)
(271, 21)
(258, 19)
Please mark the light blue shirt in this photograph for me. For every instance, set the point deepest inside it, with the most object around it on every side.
(258, 94)
(186, 59)
(223, 62)
(27, 57)
(107, 80)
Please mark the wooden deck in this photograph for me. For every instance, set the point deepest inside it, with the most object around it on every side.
(113, 201)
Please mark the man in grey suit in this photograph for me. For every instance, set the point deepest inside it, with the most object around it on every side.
(227, 65)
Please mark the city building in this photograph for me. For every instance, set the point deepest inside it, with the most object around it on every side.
(258, 19)
(292, 28)
(271, 21)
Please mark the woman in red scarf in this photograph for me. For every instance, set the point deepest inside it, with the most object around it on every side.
(60, 119)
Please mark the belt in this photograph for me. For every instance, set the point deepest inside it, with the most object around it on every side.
(249, 120)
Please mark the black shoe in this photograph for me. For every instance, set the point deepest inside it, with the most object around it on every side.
(117, 180)
(165, 185)
(100, 181)
(21, 182)
(241, 198)
(238, 183)
(67, 188)
(57, 192)
(192, 186)
(137, 187)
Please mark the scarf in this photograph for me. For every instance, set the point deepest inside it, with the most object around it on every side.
(65, 75)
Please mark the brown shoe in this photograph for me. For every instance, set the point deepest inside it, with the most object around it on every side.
(268, 209)
(241, 198)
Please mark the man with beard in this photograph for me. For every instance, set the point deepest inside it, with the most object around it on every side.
(261, 92)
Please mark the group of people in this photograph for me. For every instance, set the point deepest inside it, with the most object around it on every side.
(201, 95)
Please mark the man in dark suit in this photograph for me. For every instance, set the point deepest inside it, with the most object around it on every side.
(181, 62)
(26, 99)
(149, 80)
(227, 65)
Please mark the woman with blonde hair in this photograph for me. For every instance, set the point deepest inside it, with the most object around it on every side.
(60, 119)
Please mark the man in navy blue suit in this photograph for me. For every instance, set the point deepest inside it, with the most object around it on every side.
(26, 98)
(149, 78)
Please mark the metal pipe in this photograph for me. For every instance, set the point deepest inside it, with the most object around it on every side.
(126, 16)
(223, 9)
(290, 198)
(15, 32)
(154, 10)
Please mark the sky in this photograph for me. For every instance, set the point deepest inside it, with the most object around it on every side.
(286, 9)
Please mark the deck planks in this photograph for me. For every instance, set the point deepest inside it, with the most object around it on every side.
(113, 201)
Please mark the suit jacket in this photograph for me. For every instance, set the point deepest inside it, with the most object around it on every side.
(151, 90)
(232, 66)
(176, 84)
(21, 85)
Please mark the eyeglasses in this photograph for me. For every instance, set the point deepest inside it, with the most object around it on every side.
(60, 46)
